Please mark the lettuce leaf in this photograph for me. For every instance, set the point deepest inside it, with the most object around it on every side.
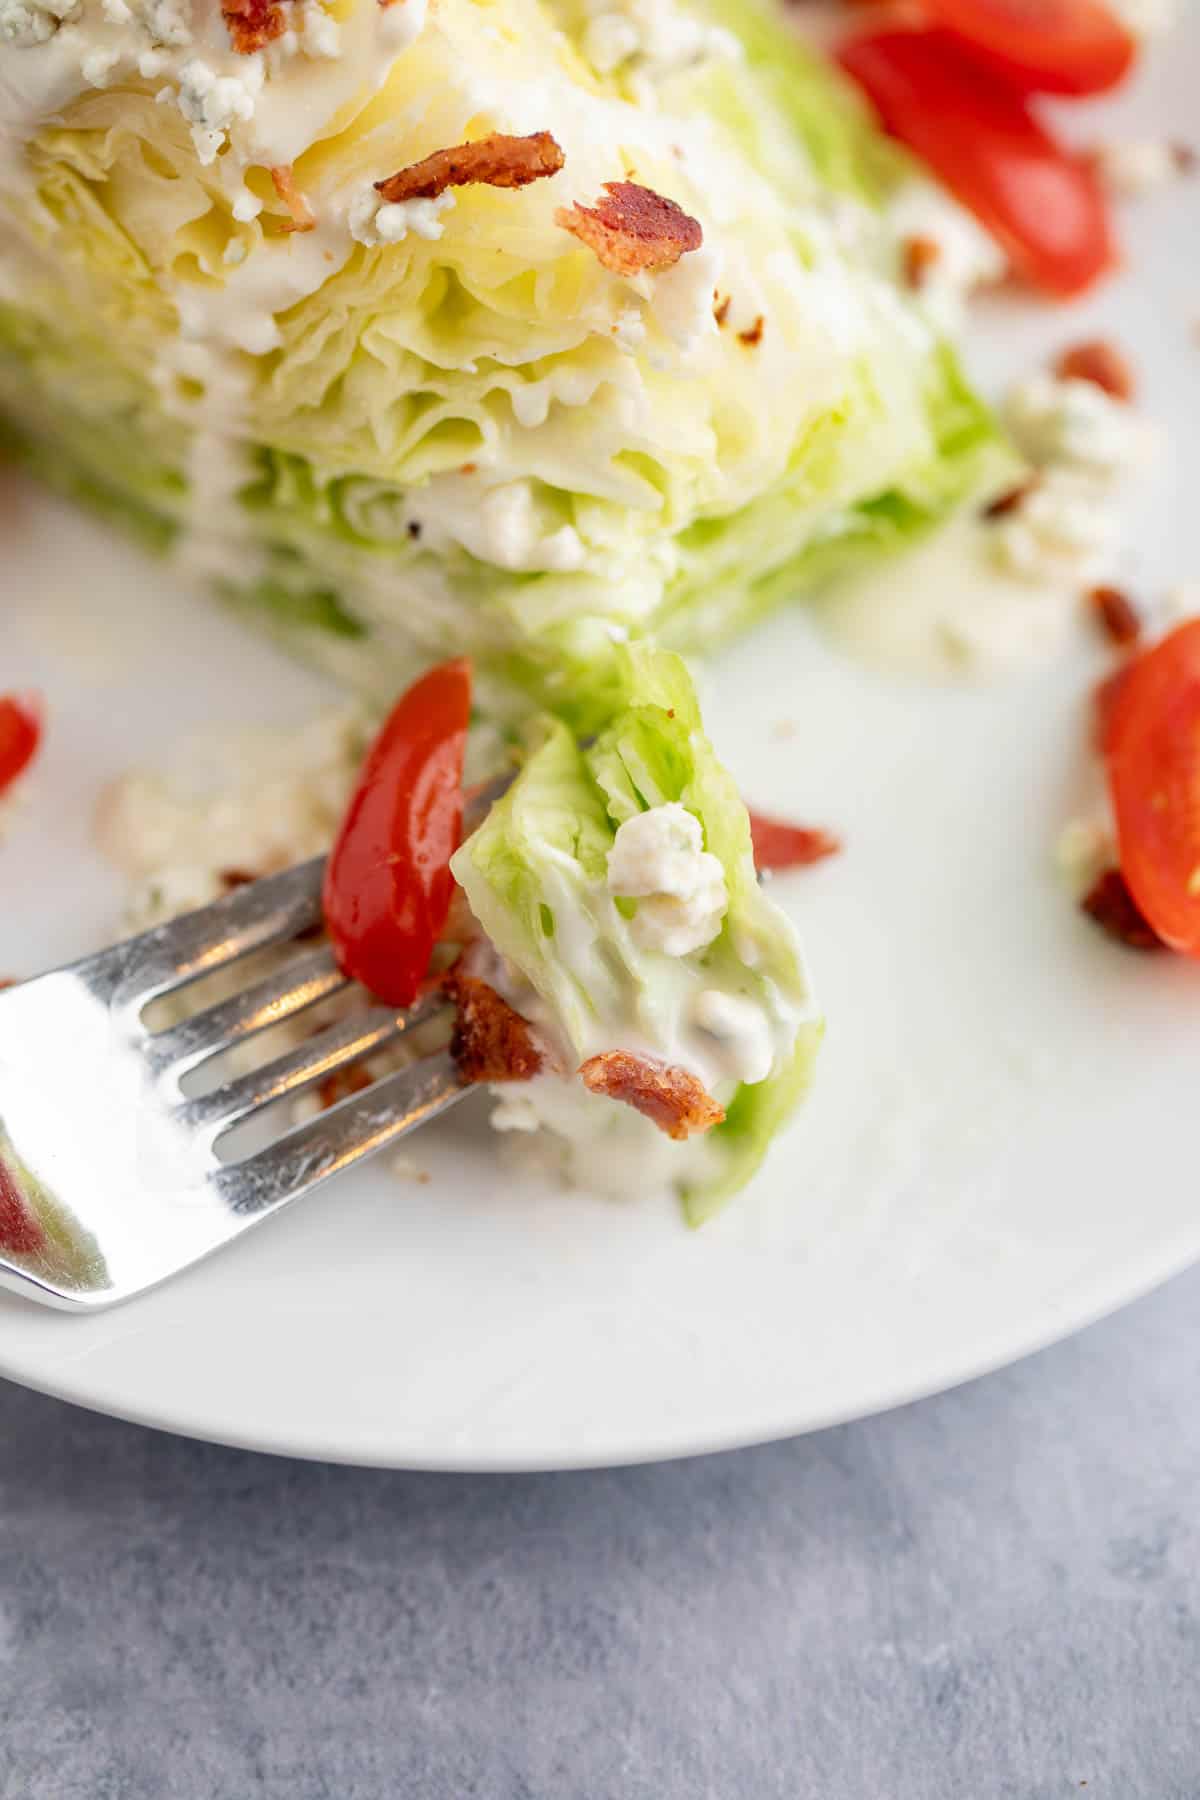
(535, 877)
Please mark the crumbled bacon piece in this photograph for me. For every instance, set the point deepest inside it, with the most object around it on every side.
(303, 217)
(1117, 614)
(670, 1098)
(778, 845)
(1109, 902)
(252, 24)
(632, 230)
(921, 256)
(753, 335)
(1011, 499)
(232, 879)
(491, 1042)
(1101, 363)
(341, 1084)
(497, 161)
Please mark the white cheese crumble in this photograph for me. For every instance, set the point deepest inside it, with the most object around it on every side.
(1075, 422)
(211, 103)
(656, 36)
(167, 21)
(266, 799)
(97, 65)
(25, 23)
(320, 36)
(1066, 529)
(658, 858)
(373, 221)
(1084, 445)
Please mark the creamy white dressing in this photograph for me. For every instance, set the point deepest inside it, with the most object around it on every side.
(949, 607)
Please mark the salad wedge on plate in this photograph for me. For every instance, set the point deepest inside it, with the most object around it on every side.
(452, 328)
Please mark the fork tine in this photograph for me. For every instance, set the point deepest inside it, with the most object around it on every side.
(354, 1129)
(346, 1042)
(251, 918)
(299, 984)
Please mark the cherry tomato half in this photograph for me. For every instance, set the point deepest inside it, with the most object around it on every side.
(388, 883)
(1043, 204)
(20, 735)
(1152, 748)
(778, 845)
(1042, 46)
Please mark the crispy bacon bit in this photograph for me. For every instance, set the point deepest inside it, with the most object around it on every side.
(491, 1041)
(303, 217)
(721, 307)
(778, 845)
(754, 336)
(1117, 614)
(921, 256)
(341, 1084)
(231, 879)
(252, 24)
(670, 1098)
(632, 230)
(1102, 364)
(1109, 902)
(496, 161)
(1011, 499)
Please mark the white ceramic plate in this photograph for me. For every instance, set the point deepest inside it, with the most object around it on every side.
(1001, 1142)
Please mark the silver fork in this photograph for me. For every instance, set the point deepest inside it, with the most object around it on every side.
(111, 1176)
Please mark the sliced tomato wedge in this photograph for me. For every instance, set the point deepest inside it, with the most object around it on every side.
(1042, 46)
(1152, 748)
(778, 845)
(388, 883)
(1042, 203)
(20, 735)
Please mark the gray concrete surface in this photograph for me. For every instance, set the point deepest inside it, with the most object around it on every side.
(993, 1594)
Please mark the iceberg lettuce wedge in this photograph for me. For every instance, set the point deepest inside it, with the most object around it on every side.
(392, 439)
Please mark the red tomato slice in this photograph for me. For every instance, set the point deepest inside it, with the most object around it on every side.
(1042, 46)
(20, 735)
(388, 883)
(1153, 752)
(1044, 205)
(778, 845)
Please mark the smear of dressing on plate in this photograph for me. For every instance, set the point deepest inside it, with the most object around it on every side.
(947, 608)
